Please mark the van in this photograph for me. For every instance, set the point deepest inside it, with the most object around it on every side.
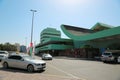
(110, 56)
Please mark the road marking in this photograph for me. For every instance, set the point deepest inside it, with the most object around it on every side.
(69, 74)
(52, 75)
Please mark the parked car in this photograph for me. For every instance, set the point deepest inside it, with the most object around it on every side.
(23, 61)
(3, 54)
(119, 59)
(46, 56)
(110, 56)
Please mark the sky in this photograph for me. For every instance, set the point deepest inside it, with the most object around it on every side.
(16, 17)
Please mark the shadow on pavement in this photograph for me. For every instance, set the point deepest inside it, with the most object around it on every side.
(112, 63)
(85, 59)
(72, 58)
(16, 70)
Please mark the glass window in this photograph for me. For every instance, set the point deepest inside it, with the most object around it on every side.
(3, 53)
(18, 57)
(15, 57)
(107, 53)
(11, 57)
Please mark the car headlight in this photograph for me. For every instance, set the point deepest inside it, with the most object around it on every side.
(37, 64)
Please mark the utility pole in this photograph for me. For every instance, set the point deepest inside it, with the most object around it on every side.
(31, 43)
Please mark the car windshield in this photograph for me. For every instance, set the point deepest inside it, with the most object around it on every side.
(3, 53)
(107, 53)
(28, 57)
(46, 55)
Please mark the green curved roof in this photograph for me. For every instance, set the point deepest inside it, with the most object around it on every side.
(101, 26)
(89, 35)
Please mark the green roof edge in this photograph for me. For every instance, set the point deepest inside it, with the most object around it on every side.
(102, 24)
(100, 34)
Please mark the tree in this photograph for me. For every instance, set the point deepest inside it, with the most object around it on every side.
(8, 47)
(1, 46)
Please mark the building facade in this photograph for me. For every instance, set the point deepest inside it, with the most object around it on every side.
(99, 36)
(23, 49)
(83, 42)
(49, 33)
(51, 41)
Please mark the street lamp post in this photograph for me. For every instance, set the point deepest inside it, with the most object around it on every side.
(31, 44)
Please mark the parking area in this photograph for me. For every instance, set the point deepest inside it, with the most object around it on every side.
(62, 68)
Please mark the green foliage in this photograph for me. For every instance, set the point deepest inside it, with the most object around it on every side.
(8, 47)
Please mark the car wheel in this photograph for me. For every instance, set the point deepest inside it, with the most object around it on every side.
(5, 65)
(104, 61)
(30, 68)
(116, 60)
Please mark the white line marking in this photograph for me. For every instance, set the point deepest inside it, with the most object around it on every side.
(71, 75)
(67, 77)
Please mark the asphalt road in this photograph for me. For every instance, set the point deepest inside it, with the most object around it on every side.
(83, 69)
(68, 69)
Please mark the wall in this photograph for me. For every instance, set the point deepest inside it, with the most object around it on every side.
(96, 44)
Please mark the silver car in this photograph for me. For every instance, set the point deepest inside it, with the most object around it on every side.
(23, 61)
(119, 59)
(111, 56)
(46, 56)
(3, 54)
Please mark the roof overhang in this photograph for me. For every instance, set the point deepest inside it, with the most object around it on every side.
(54, 40)
(104, 34)
(101, 26)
